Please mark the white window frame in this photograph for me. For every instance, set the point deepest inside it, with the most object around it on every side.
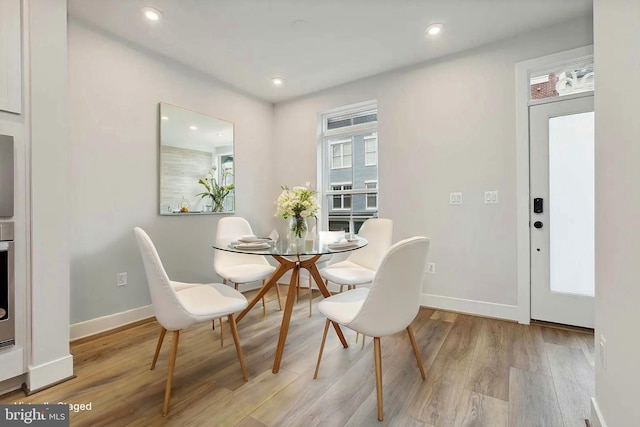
(341, 143)
(368, 139)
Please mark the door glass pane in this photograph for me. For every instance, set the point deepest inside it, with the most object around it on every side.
(571, 203)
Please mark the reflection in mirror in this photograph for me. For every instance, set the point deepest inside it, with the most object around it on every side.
(196, 163)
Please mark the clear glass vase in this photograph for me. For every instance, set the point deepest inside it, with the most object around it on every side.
(297, 232)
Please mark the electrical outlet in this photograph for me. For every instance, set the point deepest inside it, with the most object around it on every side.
(121, 279)
(455, 198)
(431, 267)
(491, 197)
(603, 352)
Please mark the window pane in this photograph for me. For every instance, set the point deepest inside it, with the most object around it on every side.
(347, 201)
(338, 123)
(365, 118)
(346, 147)
(337, 202)
(346, 161)
(372, 201)
(563, 81)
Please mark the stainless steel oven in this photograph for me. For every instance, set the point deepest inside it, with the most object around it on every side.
(7, 286)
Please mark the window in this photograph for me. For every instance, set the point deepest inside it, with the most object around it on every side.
(371, 200)
(341, 154)
(349, 167)
(341, 201)
(371, 150)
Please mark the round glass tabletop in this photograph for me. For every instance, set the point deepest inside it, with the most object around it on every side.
(285, 247)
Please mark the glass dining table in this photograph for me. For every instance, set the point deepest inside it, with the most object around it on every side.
(291, 257)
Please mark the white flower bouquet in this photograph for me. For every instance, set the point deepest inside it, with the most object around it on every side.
(297, 204)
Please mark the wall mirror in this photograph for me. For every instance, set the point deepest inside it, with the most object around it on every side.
(196, 163)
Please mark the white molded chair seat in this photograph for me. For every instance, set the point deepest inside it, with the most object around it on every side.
(387, 307)
(245, 273)
(361, 265)
(343, 307)
(347, 273)
(178, 305)
(206, 302)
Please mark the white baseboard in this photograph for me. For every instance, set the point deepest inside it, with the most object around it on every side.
(597, 420)
(480, 308)
(105, 323)
(49, 373)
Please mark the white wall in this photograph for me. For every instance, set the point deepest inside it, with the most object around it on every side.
(444, 126)
(617, 106)
(114, 93)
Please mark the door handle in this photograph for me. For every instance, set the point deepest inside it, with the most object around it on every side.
(538, 224)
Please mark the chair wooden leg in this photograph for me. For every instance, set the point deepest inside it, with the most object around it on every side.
(172, 365)
(264, 308)
(224, 281)
(357, 335)
(416, 351)
(341, 286)
(236, 339)
(378, 361)
(158, 347)
(221, 333)
(324, 337)
(310, 296)
(363, 339)
(279, 297)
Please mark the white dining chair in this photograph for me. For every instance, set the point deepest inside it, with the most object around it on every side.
(240, 268)
(387, 307)
(178, 305)
(361, 265)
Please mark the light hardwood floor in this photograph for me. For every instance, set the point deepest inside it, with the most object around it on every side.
(480, 372)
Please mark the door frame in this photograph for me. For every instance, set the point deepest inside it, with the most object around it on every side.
(523, 70)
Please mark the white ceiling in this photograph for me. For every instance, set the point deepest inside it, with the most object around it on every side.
(246, 42)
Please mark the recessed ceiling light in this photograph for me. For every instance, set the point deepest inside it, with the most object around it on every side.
(433, 29)
(277, 81)
(152, 14)
(220, 134)
(165, 118)
(193, 127)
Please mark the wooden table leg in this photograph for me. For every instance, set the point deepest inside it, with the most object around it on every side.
(313, 270)
(286, 316)
(273, 281)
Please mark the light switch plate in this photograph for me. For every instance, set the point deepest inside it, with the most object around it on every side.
(491, 197)
(455, 198)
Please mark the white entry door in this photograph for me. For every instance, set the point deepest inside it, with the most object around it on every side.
(562, 211)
